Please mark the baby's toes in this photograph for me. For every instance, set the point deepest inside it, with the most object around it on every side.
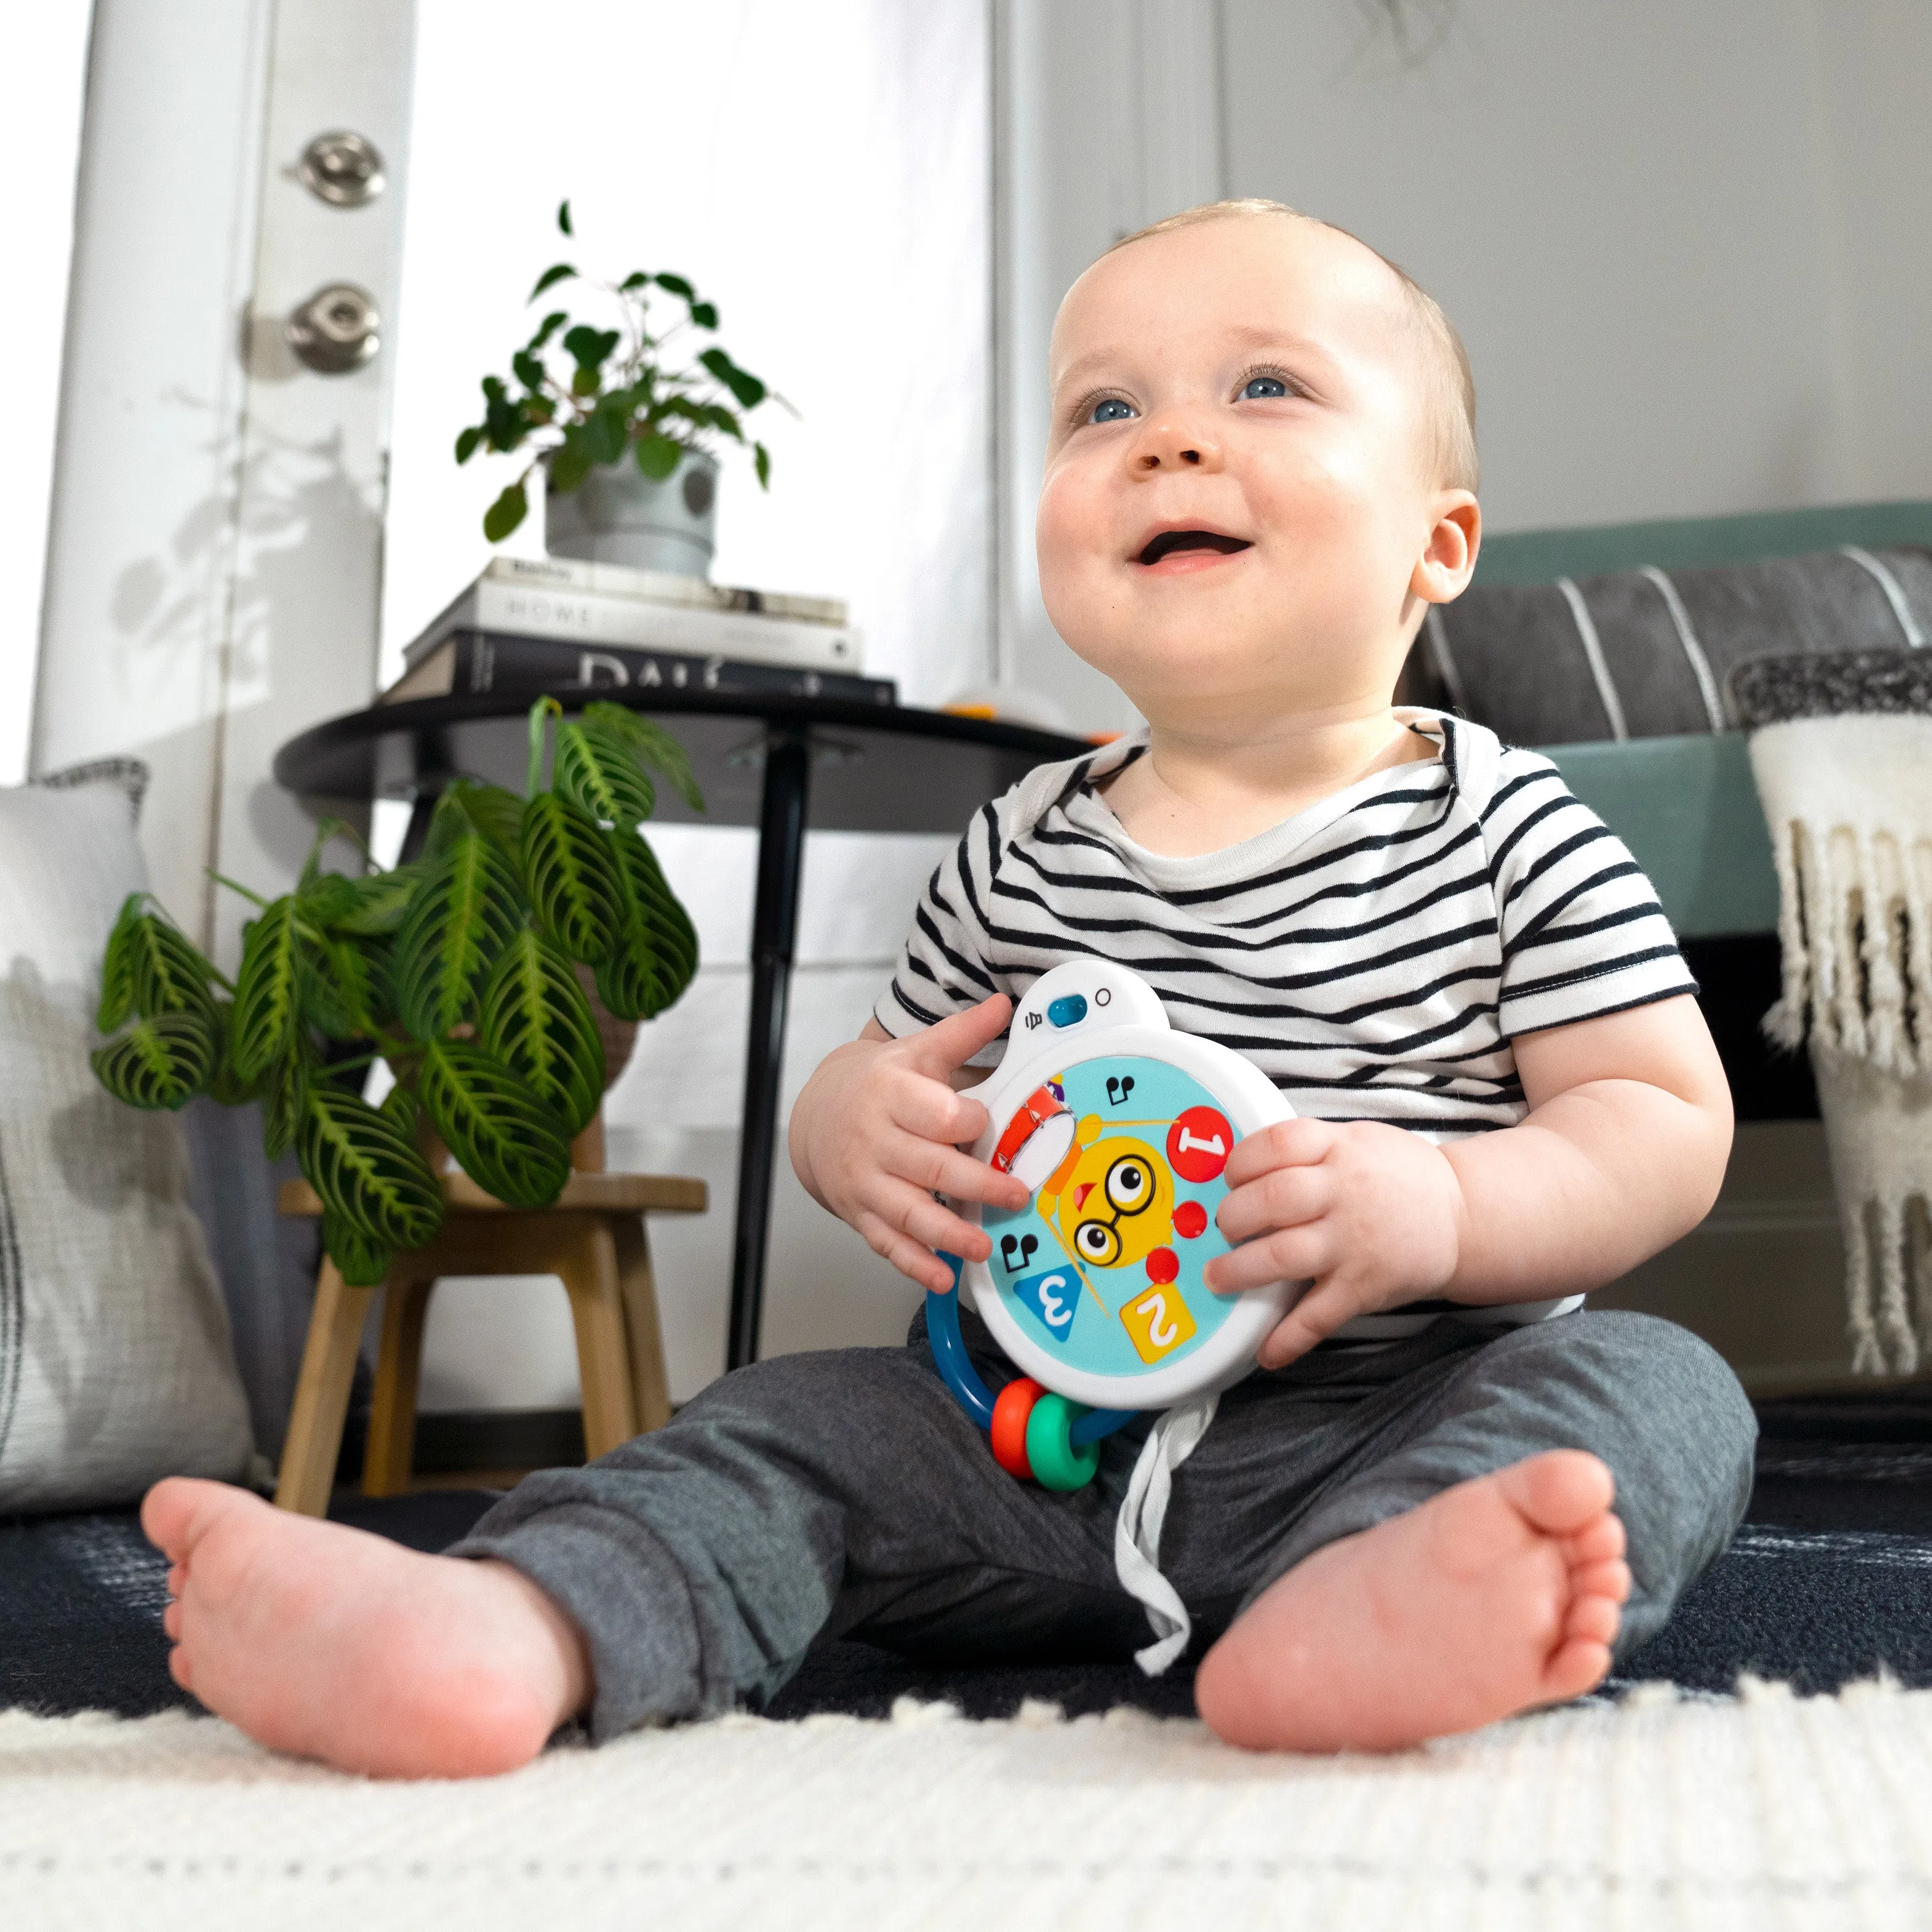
(1579, 1665)
(1609, 1579)
(1594, 1618)
(1595, 1541)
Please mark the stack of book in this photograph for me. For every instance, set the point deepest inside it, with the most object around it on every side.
(531, 626)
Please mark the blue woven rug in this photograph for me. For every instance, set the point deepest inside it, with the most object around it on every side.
(1829, 1582)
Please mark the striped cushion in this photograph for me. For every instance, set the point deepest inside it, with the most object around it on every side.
(1644, 653)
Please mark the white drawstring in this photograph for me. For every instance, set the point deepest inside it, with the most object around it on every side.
(1137, 1529)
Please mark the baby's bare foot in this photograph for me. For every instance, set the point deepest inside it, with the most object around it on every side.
(334, 1644)
(1497, 1595)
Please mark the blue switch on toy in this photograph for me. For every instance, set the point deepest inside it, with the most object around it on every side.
(1069, 1009)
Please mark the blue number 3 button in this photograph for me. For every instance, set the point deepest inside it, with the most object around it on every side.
(1052, 1296)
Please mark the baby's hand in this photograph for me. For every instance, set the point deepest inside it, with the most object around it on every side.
(1369, 1214)
(877, 1131)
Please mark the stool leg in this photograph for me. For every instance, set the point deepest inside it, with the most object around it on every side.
(314, 1438)
(589, 1270)
(650, 1389)
(392, 1413)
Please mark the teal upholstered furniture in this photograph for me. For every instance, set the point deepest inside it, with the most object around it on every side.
(1686, 805)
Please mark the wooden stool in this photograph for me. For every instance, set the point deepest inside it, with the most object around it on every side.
(592, 1237)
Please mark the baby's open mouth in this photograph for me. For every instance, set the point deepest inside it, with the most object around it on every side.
(1168, 541)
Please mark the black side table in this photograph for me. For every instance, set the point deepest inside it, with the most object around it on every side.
(783, 764)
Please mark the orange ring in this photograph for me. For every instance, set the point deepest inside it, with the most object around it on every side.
(1012, 1409)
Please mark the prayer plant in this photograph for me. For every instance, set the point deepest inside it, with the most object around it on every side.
(458, 968)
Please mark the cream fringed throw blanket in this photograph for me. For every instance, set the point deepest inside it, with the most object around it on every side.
(1842, 754)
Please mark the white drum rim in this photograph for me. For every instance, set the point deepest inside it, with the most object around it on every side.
(1251, 1102)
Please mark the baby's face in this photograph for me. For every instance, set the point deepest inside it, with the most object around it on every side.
(1253, 381)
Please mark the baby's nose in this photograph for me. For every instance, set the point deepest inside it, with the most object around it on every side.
(1173, 442)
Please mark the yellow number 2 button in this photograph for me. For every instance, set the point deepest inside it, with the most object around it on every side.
(1158, 1322)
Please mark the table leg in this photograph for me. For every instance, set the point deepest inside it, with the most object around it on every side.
(774, 930)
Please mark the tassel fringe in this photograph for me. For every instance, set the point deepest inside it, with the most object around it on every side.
(1848, 801)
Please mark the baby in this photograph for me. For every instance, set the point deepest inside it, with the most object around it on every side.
(1261, 472)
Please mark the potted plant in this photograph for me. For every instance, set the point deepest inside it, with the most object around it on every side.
(460, 969)
(625, 424)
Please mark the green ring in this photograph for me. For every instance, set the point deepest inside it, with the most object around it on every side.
(1056, 1464)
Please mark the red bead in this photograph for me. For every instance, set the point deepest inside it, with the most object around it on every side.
(1163, 1264)
(1012, 1408)
(1190, 1219)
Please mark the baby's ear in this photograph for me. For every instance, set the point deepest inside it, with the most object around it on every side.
(1443, 571)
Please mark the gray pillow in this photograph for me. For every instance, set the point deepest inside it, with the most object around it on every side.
(115, 1364)
(1646, 653)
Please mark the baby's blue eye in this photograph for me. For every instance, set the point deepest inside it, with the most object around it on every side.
(1111, 410)
(1265, 386)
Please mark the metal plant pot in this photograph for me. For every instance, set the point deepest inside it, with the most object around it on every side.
(618, 515)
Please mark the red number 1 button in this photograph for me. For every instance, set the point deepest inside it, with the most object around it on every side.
(1198, 1144)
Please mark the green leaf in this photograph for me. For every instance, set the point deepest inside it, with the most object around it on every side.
(650, 742)
(348, 991)
(503, 1136)
(381, 899)
(548, 327)
(608, 430)
(677, 285)
(657, 456)
(704, 314)
(528, 370)
(225, 1086)
(369, 1173)
(400, 1105)
(536, 1021)
(161, 1062)
(574, 887)
(326, 901)
(597, 770)
(117, 967)
(506, 512)
(656, 955)
(168, 974)
(467, 442)
(268, 994)
(637, 279)
(462, 917)
(467, 804)
(361, 1262)
(742, 384)
(563, 217)
(590, 348)
(559, 271)
(570, 464)
(282, 1097)
(761, 462)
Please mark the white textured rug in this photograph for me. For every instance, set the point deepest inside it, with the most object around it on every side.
(1656, 1813)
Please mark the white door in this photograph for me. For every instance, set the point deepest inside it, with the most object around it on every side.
(214, 560)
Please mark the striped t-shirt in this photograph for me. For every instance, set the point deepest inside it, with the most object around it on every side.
(1374, 954)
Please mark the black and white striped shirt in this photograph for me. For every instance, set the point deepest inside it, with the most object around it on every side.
(1374, 955)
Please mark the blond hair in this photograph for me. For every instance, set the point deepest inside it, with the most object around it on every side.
(1451, 401)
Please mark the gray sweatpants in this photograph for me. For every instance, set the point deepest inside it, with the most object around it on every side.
(846, 1494)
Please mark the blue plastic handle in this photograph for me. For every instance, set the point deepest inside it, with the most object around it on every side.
(956, 1370)
(949, 1348)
